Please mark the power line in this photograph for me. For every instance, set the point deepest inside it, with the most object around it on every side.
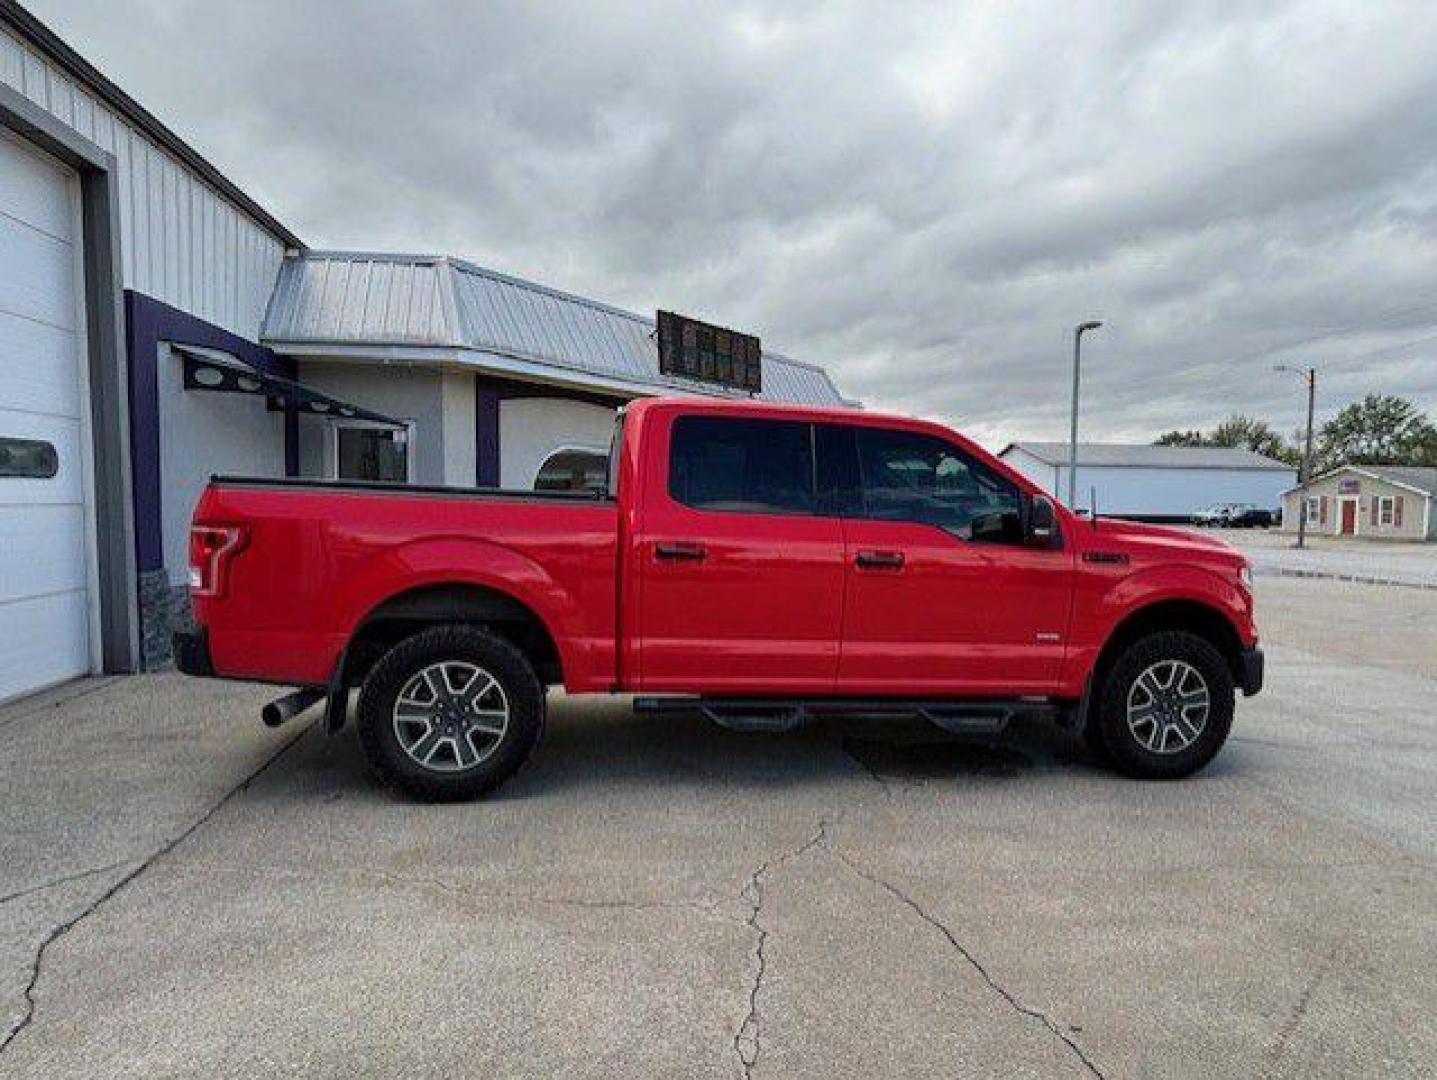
(1338, 331)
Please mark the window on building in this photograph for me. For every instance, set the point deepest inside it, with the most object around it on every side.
(30, 459)
(907, 476)
(1314, 509)
(1385, 510)
(574, 470)
(375, 453)
(742, 466)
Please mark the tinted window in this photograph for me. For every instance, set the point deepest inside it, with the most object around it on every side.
(29, 458)
(912, 477)
(747, 466)
(839, 492)
(366, 453)
(574, 470)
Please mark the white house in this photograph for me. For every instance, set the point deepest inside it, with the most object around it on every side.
(1384, 502)
(1154, 483)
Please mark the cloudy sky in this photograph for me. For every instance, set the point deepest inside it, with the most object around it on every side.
(922, 197)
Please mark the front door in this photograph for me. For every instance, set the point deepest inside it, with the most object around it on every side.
(942, 597)
(1349, 517)
(740, 581)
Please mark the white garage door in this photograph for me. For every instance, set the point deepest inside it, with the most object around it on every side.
(45, 531)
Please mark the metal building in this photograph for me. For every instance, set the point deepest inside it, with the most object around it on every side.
(136, 280)
(1154, 483)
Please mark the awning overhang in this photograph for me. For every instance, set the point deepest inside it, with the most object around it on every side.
(225, 374)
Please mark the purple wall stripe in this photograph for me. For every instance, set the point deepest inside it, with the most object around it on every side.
(147, 323)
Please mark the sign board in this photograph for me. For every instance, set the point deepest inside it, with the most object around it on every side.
(690, 349)
(1349, 485)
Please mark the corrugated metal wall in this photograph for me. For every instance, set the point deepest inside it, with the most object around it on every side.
(180, 240)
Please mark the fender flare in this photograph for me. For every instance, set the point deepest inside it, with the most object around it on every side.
(448, 560)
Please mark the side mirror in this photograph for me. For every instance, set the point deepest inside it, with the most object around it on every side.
(1040, 526)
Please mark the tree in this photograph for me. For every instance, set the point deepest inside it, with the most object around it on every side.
(1236, 431)
(1179, 438)
(1249, 434)
(1423, 449)
(1381, 429)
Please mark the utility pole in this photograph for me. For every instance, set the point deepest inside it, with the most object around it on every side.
(1304, 472)
(1078, 332)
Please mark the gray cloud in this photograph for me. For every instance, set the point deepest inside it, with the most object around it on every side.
(924, 197)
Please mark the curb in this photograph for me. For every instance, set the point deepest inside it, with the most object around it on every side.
(1356, 579)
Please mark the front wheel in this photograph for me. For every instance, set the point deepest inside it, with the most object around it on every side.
(1166, 706)
(450, 713)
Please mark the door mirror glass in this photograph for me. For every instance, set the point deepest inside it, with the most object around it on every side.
(1040, 528)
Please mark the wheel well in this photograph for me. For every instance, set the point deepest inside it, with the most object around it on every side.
(409, 612)
(1190, 615)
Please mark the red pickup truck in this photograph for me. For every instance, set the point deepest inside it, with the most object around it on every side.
(765, 565)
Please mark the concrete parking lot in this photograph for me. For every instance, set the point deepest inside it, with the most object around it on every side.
(185, 893)
(1337, 558)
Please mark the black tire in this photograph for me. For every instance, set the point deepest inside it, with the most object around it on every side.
(1125, 748)
(1094, 739)
(447, 778)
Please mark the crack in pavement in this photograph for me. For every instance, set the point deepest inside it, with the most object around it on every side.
(31, 890)
(973, 961)
(1302, 1004)
(60, 930)
(746, 1041)
(746, 1038)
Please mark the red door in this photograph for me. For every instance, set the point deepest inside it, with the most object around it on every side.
(1349, 517)
(740, 581)
(951, 605)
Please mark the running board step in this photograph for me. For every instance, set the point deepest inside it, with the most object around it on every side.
(968, 720)
(973, 718)
(756, 718)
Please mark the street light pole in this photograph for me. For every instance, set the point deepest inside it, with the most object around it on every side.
(1304, 472)
(1078, 332)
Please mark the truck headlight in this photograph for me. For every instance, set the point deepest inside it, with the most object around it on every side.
(1244, 575)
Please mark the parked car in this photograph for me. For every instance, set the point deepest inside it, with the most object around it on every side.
(1234, 516)
(765, 565)
(1251, 517)
(1214, 516)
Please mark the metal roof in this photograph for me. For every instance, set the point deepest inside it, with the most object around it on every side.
(1419, 478)
(357, 299)
(1142, 456)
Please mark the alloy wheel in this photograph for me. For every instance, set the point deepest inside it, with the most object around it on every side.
(451, 716)
(1168, 706)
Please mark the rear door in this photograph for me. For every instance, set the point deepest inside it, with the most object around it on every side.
(741, 581)
(942, 597)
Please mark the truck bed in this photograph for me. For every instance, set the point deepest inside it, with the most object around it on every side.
(321, 556)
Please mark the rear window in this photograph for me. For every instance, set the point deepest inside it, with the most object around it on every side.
(742, 466)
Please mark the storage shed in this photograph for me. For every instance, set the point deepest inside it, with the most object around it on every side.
(1154, 483)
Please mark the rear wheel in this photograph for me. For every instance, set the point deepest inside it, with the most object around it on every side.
(450, 713)
(1166, 706)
